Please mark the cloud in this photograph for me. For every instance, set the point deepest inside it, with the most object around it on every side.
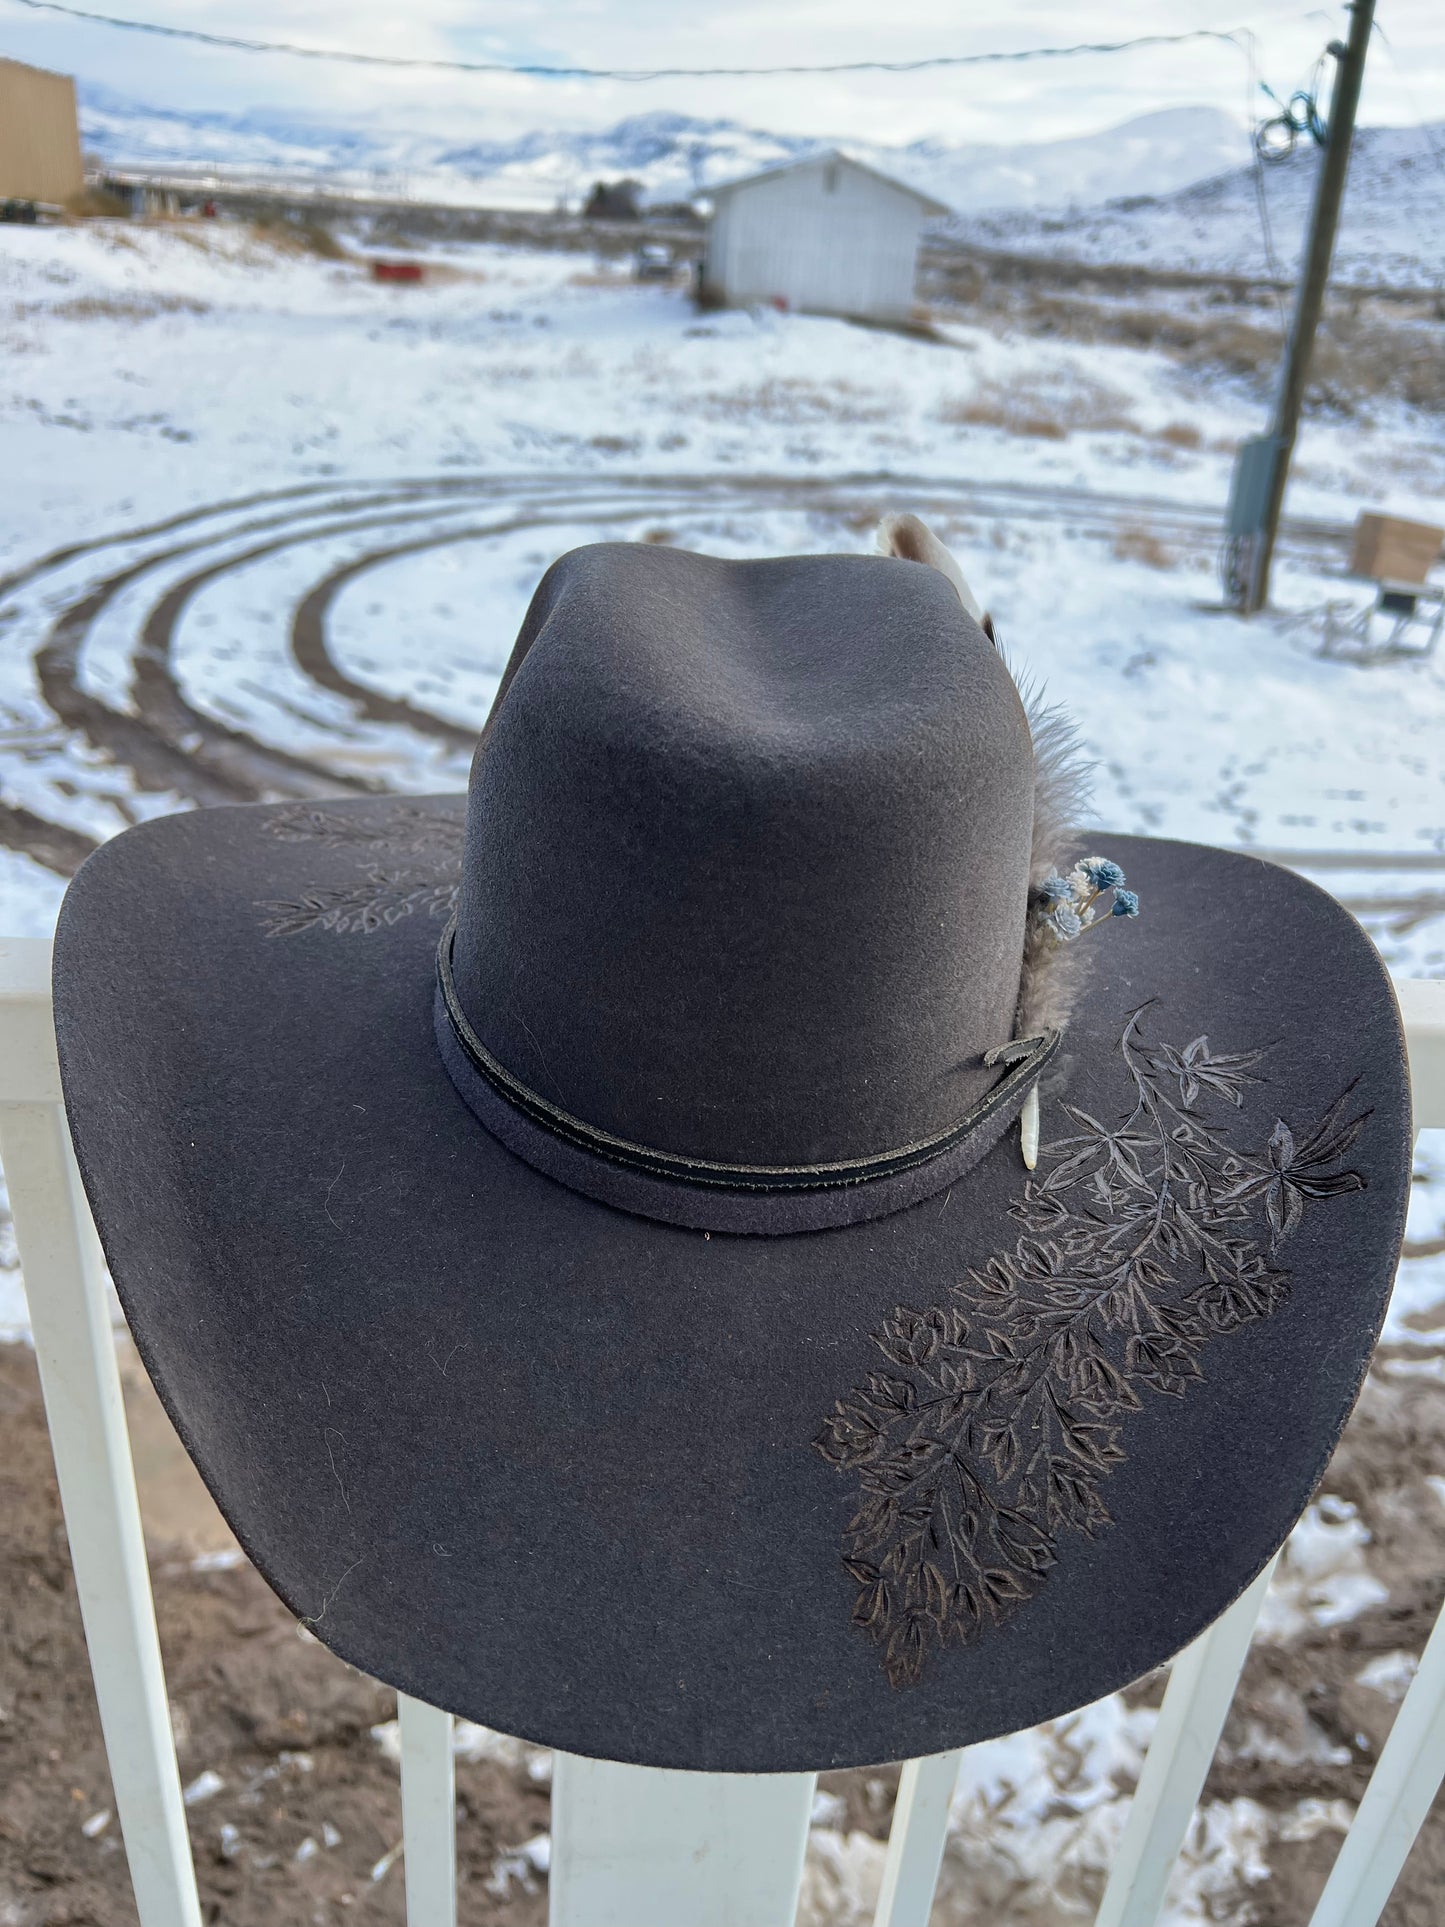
(1028, 102)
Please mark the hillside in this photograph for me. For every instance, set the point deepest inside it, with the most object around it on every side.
(673, 155)
(1393, 227)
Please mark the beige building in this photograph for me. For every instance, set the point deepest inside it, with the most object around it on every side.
(39, 135)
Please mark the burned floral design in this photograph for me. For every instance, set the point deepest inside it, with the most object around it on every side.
(1001, 1412)
(410, 865)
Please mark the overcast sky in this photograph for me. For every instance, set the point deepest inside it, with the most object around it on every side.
(1405, 79)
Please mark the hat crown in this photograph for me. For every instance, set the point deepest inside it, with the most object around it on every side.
(747, 851)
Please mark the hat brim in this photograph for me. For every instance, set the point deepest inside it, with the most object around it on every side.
(557, 1468)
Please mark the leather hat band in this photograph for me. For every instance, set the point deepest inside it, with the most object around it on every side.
(748, 1198)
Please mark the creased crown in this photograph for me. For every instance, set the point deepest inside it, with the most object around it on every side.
(747, 856)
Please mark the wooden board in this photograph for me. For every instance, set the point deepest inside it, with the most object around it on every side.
(39, 135)
(1387, 549)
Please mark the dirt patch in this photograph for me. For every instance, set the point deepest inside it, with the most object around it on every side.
(51, 844)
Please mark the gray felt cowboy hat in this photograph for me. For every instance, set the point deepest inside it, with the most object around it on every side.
(585, 1233)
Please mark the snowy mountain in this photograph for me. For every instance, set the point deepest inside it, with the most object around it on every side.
(1079, 197)
(673, 155)
(1392, 228)
(1163, 151)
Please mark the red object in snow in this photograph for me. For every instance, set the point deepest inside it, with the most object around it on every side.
(397, 271)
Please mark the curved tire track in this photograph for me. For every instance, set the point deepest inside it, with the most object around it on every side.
(170, 745)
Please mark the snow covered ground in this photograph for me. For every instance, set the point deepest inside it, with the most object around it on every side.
(311, 510)
(525, 402)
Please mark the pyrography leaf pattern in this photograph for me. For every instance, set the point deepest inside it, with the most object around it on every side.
(1001, 1413)
(412, 861)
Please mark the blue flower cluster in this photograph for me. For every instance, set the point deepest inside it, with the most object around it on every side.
(1103, 874)
(1067, 906)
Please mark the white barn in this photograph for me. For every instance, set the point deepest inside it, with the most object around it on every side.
(825, 235)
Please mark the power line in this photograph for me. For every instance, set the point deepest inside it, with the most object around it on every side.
(1240, 38)
(1235, 37)
(1261, 195)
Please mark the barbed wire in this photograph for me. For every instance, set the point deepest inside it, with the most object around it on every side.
(235, 43)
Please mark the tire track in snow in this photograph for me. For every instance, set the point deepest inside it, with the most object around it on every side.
(170, 745)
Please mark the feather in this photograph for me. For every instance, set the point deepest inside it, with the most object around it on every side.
(913, 541)
(1051, 971)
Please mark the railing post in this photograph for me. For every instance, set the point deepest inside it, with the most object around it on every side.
(633, 1846)
(1196, 1704)
(428, 1813)
(1422, 1006)
(1402, 1789)
(1411, 1767)
(915, 1841)
(75, 1352)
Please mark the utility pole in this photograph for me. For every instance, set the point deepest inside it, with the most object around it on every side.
(1324, 220)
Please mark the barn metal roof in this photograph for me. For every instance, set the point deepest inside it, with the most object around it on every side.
(832, 154)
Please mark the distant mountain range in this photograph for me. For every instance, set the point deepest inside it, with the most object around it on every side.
(1251, 220)
(1172, 189)
(674, 156)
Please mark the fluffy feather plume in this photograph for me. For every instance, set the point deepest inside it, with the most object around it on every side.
(913, 541)
(1051, 971)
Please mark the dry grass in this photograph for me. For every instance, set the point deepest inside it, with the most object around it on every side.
(296, 234)
(446, 274)
(1006, 414)
(96, 203)
(1359, 358)
(795, 401)
(1368, 350)
(1137, 543)
(112, 307)
(1180, 435)
(1045, 406)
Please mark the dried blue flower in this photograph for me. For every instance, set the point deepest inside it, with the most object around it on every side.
(1068, 906)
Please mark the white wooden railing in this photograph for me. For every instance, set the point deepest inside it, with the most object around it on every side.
(631, 1847)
